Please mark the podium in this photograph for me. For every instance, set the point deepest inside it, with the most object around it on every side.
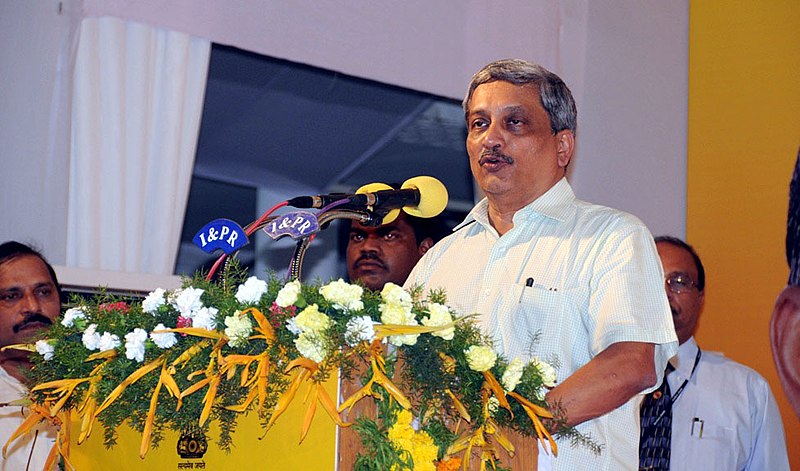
(278, 449)
(324, 449)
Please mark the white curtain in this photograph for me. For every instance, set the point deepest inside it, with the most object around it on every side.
(137, 102)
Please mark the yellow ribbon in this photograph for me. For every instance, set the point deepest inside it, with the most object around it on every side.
(40, 413)
(478, 438)
(379, 377)
(534, 412)
(308, 368)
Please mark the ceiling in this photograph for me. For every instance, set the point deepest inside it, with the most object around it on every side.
(292, 130)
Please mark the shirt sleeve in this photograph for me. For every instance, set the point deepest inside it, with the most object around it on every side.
(628, 301)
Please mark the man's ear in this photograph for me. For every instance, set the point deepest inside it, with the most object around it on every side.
(425, 245)
(565, 147)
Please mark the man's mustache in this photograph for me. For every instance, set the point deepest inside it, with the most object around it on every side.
(370, 256)
(30, 319)
(495, 155)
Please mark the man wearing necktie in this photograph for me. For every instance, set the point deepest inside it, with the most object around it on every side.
(712, 413)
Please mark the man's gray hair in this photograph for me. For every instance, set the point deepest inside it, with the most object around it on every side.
(554, 94)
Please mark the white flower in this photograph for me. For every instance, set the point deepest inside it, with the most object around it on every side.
(343, 295)
(153, 301)
(91, 339)
(480, 357)
(312, 320)
(187, 301)
(134, 344)
(548, 372)
(251, 291)
(289, 294)
(512, 374)
(205, 318)
(108, 341)
(72, 314)
(45, 349)
(439, 315)
(394, 294)
(360, 329)
(163, 339)
(310, 346)
(291, 326)
(238, 329)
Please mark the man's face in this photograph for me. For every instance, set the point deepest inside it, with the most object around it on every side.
(687, 304)
(28, 300)
(513, 153)
(377, 255)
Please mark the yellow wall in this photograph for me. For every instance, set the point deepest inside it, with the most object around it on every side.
(744, 133)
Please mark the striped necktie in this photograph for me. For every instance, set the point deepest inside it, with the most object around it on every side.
(656, 428)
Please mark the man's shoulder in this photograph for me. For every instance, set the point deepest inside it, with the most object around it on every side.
(596, 211)
(732, 370)
(601, 223)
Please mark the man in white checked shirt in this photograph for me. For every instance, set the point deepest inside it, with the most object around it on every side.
(535, 262)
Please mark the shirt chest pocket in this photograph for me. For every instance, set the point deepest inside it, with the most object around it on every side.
(526, 317)
(715, 446)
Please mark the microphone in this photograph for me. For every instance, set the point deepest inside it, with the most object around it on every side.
(318, 201)
(421, 196)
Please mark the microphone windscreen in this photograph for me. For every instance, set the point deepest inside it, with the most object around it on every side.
(432, 196)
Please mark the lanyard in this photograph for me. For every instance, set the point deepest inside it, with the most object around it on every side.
(682, 386)
(686, 381)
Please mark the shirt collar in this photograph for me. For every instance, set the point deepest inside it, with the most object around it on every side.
(683, 362)
(556, 203)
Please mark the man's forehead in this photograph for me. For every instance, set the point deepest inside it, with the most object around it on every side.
(25, 270)
(676, 259)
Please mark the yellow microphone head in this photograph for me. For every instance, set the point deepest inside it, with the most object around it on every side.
(374, 187)
(432, 196)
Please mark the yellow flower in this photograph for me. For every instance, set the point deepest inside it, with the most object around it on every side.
(480, 357)
(289, 294)
(238, 328)
(394, 294)
(312, 320)
(392, 313)
(439, 315)
(417, 443)
(399, 314)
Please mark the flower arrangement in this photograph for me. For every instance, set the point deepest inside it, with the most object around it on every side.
(213, 350)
